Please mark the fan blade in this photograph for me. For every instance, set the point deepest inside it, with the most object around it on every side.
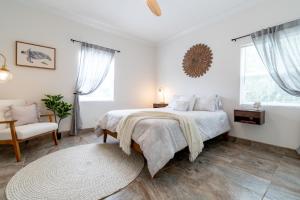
(154, 7)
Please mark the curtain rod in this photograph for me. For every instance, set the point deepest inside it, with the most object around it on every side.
(235, 39)
(118, 51)
(279, 27)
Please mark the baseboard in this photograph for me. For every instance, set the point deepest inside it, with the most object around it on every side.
(267, 147)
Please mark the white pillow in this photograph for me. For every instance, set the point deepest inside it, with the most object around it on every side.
(27, 114)
(3, 117)
(191, 99)
(209, 103)
(219, 104)
(173, 101)
(181, 105)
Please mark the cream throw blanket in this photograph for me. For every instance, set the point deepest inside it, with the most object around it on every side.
(193, 138)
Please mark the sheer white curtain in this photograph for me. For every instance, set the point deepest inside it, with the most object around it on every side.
(94, 64)
(279, 49)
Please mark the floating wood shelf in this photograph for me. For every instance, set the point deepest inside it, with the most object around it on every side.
(256, 117)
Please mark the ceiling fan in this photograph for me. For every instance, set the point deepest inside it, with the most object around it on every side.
(154, 7)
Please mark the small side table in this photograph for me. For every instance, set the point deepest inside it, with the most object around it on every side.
(256, 117)
(160, 105)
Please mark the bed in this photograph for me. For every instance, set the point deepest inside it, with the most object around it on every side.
(159, 139)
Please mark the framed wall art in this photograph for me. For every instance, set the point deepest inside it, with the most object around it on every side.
(33, 55)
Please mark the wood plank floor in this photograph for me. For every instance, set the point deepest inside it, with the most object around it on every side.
(224, 170)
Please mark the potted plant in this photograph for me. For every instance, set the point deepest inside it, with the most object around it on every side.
(59, 107)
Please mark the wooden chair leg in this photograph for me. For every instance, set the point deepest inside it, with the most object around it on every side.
(54, 136)
(14, 140)
(104, 137)
(17, 150)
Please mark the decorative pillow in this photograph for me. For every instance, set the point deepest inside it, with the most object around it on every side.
(27, 114)
(191, 99)
(210, 103)
(3, 117)
(181, 105)
(219, 104)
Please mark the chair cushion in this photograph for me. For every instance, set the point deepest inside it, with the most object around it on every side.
(3, 112)
(29, 130)
(10, 102)
(26, 114)
(5, 107)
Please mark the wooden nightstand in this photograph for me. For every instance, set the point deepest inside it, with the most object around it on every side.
(256, 117)
(160, 105)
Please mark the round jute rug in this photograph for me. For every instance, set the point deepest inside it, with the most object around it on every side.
(91, 171)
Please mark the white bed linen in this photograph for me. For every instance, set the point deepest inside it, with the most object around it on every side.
(160, 139)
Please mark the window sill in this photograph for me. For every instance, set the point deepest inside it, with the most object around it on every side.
(96, 101)
(273, 105)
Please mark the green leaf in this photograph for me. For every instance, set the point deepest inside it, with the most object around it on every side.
(59, 107)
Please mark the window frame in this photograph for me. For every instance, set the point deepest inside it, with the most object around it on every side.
(242, 100)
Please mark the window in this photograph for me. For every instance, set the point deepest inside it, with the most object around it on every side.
(257, 84)
(105, 92)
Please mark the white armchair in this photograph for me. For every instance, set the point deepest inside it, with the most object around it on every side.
(16, 134)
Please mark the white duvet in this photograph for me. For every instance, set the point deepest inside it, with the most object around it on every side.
(160, 139)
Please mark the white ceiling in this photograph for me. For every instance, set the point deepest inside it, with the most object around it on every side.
(132, 17)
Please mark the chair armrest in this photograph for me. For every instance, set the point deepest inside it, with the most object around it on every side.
(46, 115)
(12, 128)
(8, 122)
(49, 115)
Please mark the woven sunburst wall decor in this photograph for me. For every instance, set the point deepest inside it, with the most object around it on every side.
(197, 60)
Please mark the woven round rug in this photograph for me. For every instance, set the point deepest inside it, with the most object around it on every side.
(91, 171)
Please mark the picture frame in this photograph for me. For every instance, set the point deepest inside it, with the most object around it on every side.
(36, 56)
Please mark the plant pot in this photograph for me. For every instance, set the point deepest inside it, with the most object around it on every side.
(59, 136)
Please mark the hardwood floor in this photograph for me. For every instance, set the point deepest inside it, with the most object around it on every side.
(225, 170)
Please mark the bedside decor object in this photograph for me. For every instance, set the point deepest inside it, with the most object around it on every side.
(257, 105)
(33, 55)
(249, 116)
(24, 114)
(160, 105)
(60, 108)
(5, 75)
(197, 60)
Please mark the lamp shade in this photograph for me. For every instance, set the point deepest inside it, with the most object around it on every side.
(5, 75)
(161, 92)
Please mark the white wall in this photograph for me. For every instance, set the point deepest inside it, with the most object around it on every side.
(135, 76)
(282, 126)
(134, 67)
